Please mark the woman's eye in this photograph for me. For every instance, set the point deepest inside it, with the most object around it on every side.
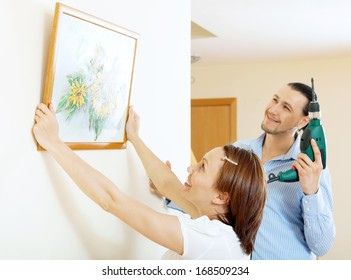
(202, 166)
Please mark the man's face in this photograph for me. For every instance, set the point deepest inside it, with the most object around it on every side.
(284, 113)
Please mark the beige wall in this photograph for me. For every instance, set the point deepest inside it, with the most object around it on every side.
(254, 83)
(42, 214)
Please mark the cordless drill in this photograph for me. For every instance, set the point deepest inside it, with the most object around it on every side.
(314, 130)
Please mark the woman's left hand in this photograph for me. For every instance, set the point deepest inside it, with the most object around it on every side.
(46, 129)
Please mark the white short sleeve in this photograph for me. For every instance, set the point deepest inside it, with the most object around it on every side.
(209, 239)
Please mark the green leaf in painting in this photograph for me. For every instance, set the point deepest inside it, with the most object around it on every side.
(63, 103)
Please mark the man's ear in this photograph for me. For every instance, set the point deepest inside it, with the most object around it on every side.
(221, 198)
(304, 121)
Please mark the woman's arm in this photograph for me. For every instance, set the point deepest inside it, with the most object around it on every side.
(160, 174)
(162, 229)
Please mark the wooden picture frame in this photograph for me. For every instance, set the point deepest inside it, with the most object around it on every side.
(89, 79)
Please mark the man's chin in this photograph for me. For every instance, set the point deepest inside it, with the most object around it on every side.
(267, 130)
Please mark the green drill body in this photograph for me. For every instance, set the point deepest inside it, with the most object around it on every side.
(315, 131)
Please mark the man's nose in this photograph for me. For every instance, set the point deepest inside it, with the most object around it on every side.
(275, 109)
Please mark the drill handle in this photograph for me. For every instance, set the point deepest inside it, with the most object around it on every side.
(314, 131)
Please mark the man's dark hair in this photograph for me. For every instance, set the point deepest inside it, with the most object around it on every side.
(306, 91)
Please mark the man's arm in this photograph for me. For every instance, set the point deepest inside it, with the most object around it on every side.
(317, 203)
(319, 224)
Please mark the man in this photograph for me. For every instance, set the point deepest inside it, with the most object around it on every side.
(297, 221)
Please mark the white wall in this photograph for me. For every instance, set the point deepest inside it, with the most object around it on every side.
(43, 215)
(255, 83)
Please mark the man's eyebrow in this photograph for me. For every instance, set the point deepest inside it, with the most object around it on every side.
(288, 105)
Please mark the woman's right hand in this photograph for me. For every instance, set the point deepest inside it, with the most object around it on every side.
(132, 127)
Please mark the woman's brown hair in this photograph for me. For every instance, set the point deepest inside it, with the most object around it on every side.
(242, 177)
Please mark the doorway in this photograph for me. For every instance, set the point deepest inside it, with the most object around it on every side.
(213, 124)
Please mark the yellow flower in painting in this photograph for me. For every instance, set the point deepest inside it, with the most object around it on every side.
(77, 93)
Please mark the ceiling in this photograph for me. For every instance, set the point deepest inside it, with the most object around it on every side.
(231, 31)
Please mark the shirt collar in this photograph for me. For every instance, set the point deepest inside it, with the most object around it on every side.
(291, 154)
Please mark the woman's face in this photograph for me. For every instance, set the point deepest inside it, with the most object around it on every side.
(200, 188)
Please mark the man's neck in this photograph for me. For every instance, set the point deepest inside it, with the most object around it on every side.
(276, 144)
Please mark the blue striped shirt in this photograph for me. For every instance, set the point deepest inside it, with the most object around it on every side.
(294, 225)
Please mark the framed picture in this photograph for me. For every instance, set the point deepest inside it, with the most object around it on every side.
(89, 79)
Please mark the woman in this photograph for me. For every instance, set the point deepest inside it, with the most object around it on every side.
(224, 195)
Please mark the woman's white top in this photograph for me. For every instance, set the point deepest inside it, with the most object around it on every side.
(206, 239)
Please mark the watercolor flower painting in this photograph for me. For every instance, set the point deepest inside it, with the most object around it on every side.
(90, 91)
(92, 79)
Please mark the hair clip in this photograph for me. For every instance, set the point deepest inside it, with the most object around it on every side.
(230, 160)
